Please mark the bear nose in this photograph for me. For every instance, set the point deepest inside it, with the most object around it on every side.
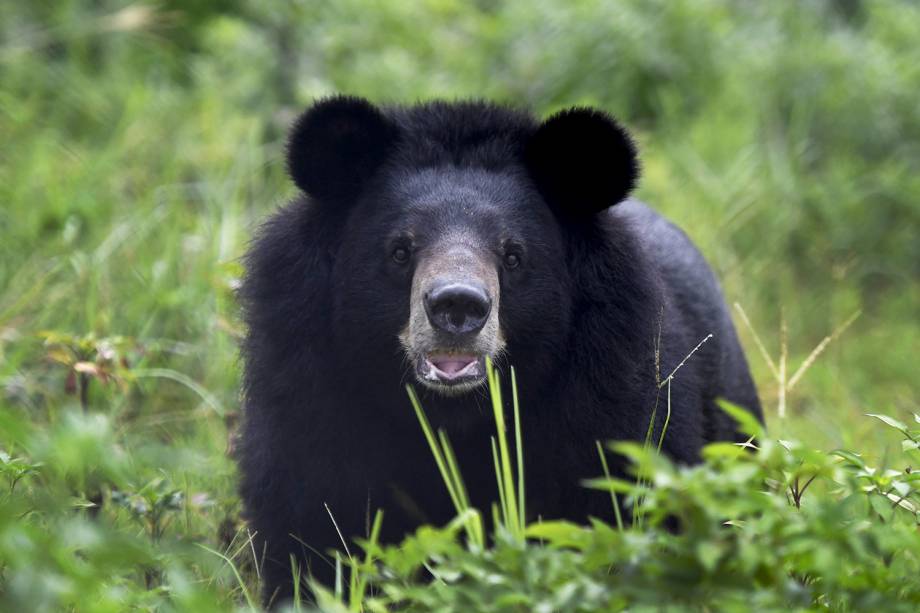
(458, 308)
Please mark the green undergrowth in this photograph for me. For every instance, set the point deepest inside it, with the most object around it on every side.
(769, 525)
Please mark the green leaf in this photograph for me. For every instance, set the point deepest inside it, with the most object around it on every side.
(731, 451)
(891, 421)
(513, 600)
(880, 505)
(709, 554)
(747, 423)
(852, 458)
(559, 533)
(610, 485)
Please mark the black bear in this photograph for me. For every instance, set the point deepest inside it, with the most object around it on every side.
(426, 238)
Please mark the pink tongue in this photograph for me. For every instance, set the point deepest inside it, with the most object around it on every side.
(451, 366)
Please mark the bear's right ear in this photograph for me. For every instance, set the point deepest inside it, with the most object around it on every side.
(336, 145)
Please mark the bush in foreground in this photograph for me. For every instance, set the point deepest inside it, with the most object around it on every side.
(774, 526)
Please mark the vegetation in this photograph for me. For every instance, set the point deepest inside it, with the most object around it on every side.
(735, 533)
(142, 142)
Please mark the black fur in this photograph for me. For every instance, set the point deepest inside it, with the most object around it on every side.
(327, 420)
(337, 145)
(582, 161)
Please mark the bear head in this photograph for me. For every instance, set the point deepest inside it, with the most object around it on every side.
(455, 224)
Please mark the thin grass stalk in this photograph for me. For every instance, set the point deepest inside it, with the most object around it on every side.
(295, 575)
(496, 515)
(255, 559)
(356, 598)
(667, 419)
(511, 517)
(474, 524)
(783, 356)
(435, 449)
(503, 502)
(819, 349)
(518, 443)
(453, 469)
(613, 494)
(450, 472)
(759, 343)
(236, 573)
(647, 443)
(339, 575)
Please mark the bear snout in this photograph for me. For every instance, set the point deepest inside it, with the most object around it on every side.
(458, 309)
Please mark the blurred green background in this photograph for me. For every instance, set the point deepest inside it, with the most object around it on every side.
(141, 143)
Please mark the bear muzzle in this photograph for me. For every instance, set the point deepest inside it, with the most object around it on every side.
(453, 321)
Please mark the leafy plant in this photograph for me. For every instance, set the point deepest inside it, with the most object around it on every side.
(734, 533)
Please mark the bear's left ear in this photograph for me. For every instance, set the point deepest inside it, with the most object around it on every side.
(582, 161)
(336, 145)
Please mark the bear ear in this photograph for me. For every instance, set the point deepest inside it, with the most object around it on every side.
(336, 145)
(582, 161)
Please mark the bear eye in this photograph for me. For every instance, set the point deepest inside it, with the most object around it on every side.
(401, 255)
(512, 260)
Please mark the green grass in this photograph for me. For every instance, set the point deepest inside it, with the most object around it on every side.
(140, 144)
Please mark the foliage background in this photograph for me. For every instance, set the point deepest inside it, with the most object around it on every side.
(140, 143)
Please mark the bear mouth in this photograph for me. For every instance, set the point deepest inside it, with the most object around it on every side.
(455, 371)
